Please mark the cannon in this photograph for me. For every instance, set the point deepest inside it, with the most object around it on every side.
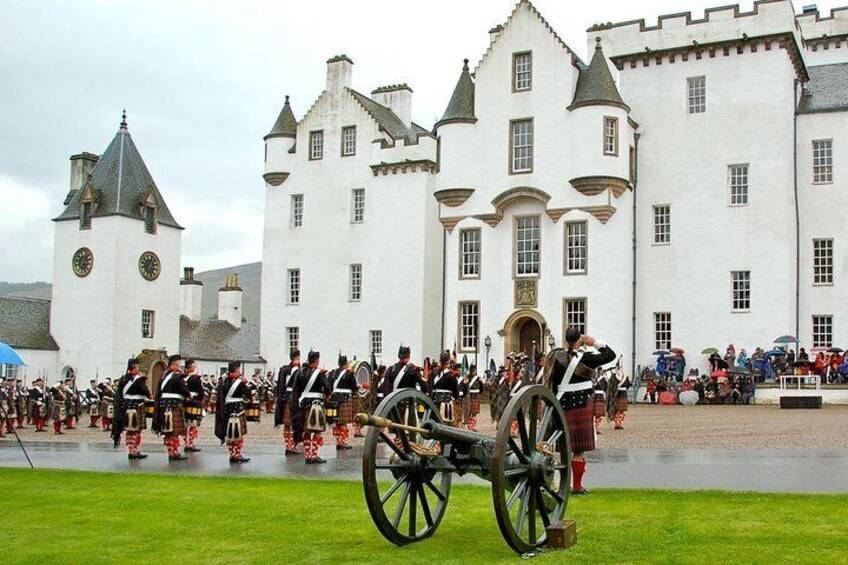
(410, 456)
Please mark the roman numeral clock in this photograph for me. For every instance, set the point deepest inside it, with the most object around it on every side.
(149, 265)
(82, 262)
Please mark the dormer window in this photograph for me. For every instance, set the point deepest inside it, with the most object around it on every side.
(148, 208)
(86, 212)
(150, 219)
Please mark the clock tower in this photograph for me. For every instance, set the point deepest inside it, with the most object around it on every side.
(116, 269)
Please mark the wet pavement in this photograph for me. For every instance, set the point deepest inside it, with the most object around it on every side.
(802, 471)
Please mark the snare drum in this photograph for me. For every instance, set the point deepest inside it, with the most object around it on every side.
(149, 408)
(253, 413)
(193, 410)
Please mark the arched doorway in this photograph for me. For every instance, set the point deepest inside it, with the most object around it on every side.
(522, 330)
(155, 375)
(67, 372)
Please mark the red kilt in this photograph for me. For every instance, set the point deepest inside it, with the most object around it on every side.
(621, 403)
(581, 428)
(345, 413)
(474, 407)
(287, 416)
(600, 407)
(177, 419)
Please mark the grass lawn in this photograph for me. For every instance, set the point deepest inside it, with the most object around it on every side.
(62, 517)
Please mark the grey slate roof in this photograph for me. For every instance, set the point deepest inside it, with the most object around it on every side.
(461, 105)
(827, 90)
(286, 124)
(217, 340)
(25, 323)
(388, 120)
(595, 86)
(123, 181)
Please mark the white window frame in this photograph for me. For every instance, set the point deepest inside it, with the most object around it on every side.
(823, 161)
(522, 71)
(357, 206)
(662, 224)
(316, 145)
(822, 330)
(740, 284)
(148, 324)
(577, 247)
(823, 262)
(296, 219)
(662, 330)
(738, 184)
(355, 294)
(470, 255)
(348, 141)
(527, 248)
(575, 314)
(376, 340)
(469, 325)
(293, 287)
(610, 136)
(696, 91)
(293, 338)
(521, 146)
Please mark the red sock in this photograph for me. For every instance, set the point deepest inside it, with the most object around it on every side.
(578, 469)
(57, 427)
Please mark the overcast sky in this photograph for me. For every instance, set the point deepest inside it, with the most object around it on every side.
(203, 81)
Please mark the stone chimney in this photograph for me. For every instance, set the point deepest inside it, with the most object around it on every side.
(398, 98)
(229, 301)
(191, 295)
(339, 73)
(81, 166)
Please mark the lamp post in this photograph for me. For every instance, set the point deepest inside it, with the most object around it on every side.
(488, 343)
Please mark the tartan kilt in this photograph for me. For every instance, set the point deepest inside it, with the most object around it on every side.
(59, 413)
(345, 413)
(287, 415)
(600, 407)
(242, 426)
(177, 420)
(363, 403)
(458, 412)
(94, 409)
(474, 405)
(142, 415)
(581, 428)
(621, 402)
(107, 409)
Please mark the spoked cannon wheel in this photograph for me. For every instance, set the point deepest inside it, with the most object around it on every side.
(531, 470)
(406, 494)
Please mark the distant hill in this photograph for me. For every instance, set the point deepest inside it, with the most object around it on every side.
(250, 280)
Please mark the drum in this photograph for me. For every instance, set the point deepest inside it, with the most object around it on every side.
(362, 370)
(149, 408)
(253, 412)
(193, 410)
(668, 398)
(331, 411)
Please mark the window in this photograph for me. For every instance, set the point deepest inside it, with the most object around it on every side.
(521, 144)
(348, 141)
(8, 371)
(316, 145)
(823, 331)
(527, 246)
(697, 95)
(293, 338)
(522, 76)
(662, 224)
(357, 207)
(377, 342)
(469, 321)
(738, 180)
(576, 247)
(85, 216)
(469, 253)
(355, 283)
(823, 161)
(741, 281)
(610, 136)
(662, 330)
(822, 261)
(150, 219)
(575, 314)
(148, 318)
(293, 297)
(296, 210)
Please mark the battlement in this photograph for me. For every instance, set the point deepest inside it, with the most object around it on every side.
(391, 88)
(815, 27)
(721, 24)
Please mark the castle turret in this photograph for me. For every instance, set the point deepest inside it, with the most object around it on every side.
(456, 129)
(280, 145)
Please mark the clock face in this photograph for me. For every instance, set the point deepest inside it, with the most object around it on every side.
(149, 266)
(82, 262)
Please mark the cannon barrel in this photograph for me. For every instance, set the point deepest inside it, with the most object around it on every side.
(450, 434)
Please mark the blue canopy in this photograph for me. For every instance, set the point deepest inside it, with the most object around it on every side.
(776, 352)
(786, 339)
(9, 356)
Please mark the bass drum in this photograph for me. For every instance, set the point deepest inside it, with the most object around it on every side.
(362, 371)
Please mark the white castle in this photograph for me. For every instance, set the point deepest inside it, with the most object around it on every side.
(681, 187)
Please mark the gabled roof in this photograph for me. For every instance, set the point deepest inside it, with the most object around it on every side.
(461, 106)
(286, 124)
(25, 324)
(120, 182)
(595, 86)
(826, 91)
(218, 340)
(388, 120)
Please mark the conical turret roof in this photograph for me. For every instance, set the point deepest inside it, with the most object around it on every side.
(461, 106)
(121, 184)
(286, 125)
(596, 87)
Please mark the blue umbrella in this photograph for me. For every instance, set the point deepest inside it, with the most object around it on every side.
(9, 356)
(661, 352)
(786, 339)
(776, 352)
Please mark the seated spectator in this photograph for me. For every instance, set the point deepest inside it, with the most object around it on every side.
(819, 364)
(711, 393)
(748, 391)
(802, 355)
(791, 357)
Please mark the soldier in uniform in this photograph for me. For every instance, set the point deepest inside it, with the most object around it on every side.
(617, 392)
(8, 412)
(38, 405)
(129, 411)
(282, 406)
(233, 396)
(446, 391)
(570, 379)
(23, 402)
(107, 404)
(470, 389)
(310, 389)
(92, 398)
(58, 406)
(404, 374)
(169, 415)
(343, 388)
(599, 402)
(196, 391)
(383, 385)
(72, 402)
